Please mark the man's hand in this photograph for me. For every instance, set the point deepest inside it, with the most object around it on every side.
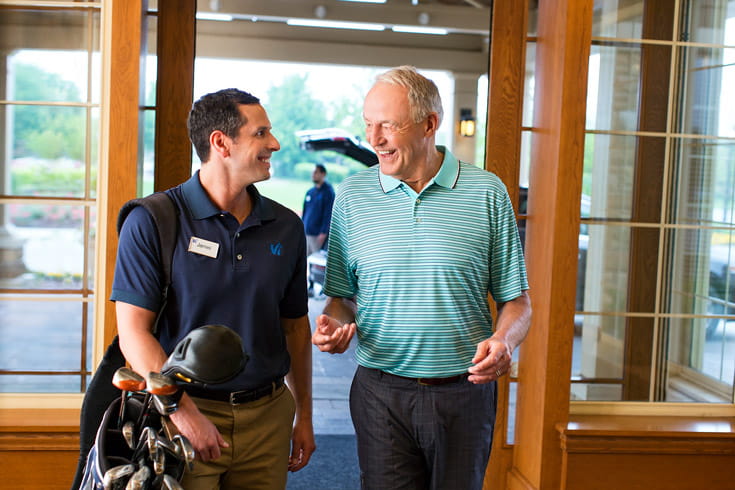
(302, 445)
(492, 359)
(201, 432)
(331, 336)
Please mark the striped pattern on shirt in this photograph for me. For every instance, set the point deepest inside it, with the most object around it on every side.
(421, 266)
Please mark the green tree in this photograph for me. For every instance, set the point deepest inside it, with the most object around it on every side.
(44, 131)
(291, 107)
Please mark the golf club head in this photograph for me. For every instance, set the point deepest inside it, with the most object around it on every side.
(207, 355)
(117, 477)
(159, 461)
(161, 384)
(170, 483)
(185, 450)
(128, 432)
(140, 478)
(128, 380)
(165, 405)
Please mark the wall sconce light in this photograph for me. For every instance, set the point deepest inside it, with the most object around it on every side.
(466, 122)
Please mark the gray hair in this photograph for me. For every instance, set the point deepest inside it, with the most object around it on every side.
(423, 94)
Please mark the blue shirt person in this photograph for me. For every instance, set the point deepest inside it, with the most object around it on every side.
(317, 210)
(239, 261)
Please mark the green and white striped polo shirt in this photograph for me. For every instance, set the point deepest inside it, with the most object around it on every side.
(421, 265)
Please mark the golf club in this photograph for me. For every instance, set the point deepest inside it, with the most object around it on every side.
(140, 478)
(126, 380)
(117, 477)
(170, 483)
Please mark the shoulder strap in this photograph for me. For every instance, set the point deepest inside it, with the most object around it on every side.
(165, 215)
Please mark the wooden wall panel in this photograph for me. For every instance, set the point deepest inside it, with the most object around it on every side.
(174, 91)
(564, 34)
(641, 453)
(38, 449)
(502, 157)
(120, 130)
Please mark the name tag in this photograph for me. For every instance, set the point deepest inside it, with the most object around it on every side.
(203, 247)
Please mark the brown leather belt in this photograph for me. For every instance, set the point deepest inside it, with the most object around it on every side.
(432, 381)
(236, 397)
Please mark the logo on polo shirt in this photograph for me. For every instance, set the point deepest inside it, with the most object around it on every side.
(276, 248)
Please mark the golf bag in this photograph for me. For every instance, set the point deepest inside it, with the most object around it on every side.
(101, 392)
(132, 441)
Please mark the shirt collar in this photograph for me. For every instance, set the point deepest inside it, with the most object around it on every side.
(446, 176)
(201, 207)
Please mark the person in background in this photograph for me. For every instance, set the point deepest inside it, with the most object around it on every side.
(415, 246)
(317, 210)
(240, 261)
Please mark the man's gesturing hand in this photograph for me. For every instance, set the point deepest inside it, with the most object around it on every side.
(492, 360)
(331, 336)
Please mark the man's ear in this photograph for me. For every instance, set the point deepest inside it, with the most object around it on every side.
(220, 143)
(432, 124)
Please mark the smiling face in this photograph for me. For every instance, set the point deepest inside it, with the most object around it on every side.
(402, 145)
(250, 153)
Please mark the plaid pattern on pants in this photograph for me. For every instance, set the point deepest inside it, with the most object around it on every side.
(413, 436)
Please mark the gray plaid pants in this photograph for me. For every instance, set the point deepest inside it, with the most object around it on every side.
(419, 437)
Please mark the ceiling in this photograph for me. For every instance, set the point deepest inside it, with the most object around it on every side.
(259, 30)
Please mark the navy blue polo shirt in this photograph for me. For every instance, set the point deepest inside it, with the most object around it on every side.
(245, 276)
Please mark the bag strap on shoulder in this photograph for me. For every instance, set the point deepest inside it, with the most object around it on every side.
(165, 214)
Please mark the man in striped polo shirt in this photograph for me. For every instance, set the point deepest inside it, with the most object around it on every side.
(416, 244)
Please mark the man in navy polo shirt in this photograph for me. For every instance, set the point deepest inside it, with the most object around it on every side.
(239, 261)
(317, 210)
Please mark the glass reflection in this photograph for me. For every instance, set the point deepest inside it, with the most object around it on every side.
(708, 98)
(49, 246)
(705, 182)
(613, 87)
(48, 152)
(51, 334)
(711, 22)
(614, 18)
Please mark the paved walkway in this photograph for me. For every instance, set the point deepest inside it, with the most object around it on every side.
(332, 375)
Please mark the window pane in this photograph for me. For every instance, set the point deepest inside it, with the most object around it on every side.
(529, 85)
(700, 368)
(705, 178)
(708, 99)
(532, 17)
(617, 175)
(712, 22)
(606, 269)
(613, 87)
(610, 19)
(48, 152)
(148, 157)
(596, 392)
(93, 163)
(40, 383)
(702, 272)
(56, 69)
(41, 334)
(47, 246)
(599, 347)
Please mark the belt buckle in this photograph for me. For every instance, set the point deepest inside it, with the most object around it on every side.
(422, 382)
(233, 394)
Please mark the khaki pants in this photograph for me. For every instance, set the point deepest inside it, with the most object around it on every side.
(259, 435)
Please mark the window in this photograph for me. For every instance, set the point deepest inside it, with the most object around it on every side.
(655, 297)
(49, 115)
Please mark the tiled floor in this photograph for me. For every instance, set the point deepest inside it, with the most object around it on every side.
(332, 375)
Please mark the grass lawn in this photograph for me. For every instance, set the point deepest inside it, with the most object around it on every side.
(288, 192)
